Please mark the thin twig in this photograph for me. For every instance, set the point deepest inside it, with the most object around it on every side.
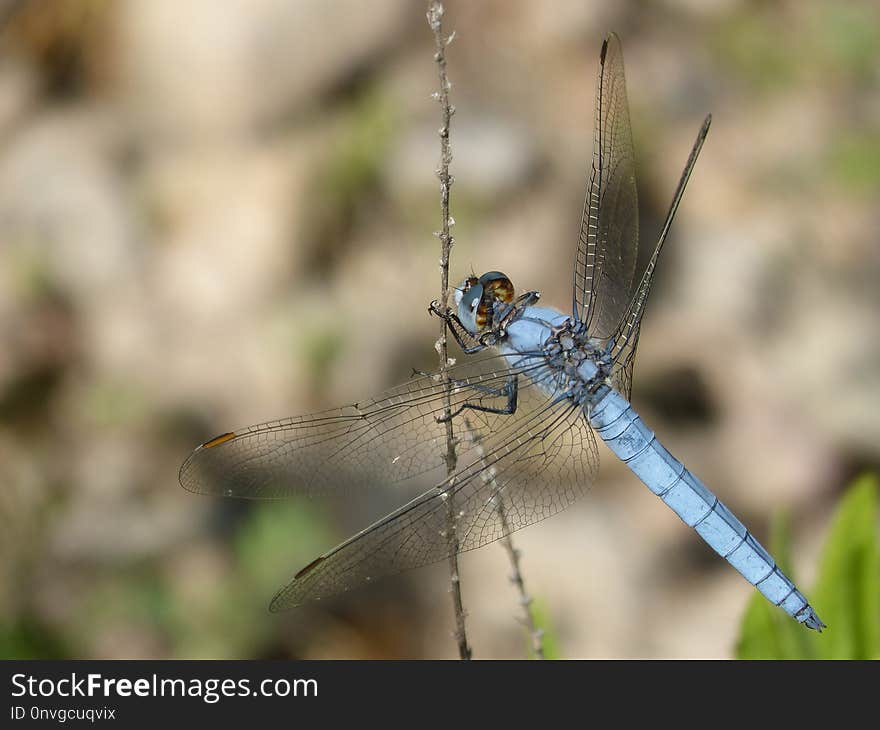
(525, 600)
(435, 17)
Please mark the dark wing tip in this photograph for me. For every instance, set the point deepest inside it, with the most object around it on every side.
(612, 39)
(217, 440)
(703, 133)
(308, 569)
(282, 600)
(189, 479)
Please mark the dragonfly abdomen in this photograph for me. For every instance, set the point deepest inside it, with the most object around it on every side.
(614, 419)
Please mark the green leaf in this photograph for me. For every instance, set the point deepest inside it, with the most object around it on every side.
(767, 632)
(28, 638)
(847, 593)
(277, 539)
(846, 596)
(549, 639)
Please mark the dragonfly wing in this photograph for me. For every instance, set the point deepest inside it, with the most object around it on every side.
(627, 336)
(390, 439)
(622, 372)
(511, 473)
(609, 237)
(611, 283)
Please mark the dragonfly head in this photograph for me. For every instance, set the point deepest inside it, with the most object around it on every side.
(482, 301)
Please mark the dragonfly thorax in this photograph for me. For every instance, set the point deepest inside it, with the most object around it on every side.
(570, 348)
(576, 362)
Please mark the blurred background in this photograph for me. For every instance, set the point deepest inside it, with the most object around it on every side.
(213, 218)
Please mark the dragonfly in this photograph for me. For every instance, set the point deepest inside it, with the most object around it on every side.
(535, 388)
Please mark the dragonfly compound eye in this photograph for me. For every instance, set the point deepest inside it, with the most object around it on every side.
(463, 288)
(498, 286)
(471, 309)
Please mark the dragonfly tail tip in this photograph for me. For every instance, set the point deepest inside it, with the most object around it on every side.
(811, 620)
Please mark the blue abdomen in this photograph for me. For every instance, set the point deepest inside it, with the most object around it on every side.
(614, 419)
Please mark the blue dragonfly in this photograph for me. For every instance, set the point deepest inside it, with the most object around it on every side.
(525, 405)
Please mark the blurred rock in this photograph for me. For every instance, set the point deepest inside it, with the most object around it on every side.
(63, 202)
(491, 158)
(17, 92)
(117, 530)
(195, 71)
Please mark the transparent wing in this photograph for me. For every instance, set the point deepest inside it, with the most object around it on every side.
(622, 371)
(389, 439)
(626, 338)
(609, 237)
(521, 447)
(512, 472)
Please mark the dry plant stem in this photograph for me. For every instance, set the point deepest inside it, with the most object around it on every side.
(525, 600)
(528, 619)
(435, 16)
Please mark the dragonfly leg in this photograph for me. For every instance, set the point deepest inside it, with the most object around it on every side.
(465, 340)
(510, 390)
